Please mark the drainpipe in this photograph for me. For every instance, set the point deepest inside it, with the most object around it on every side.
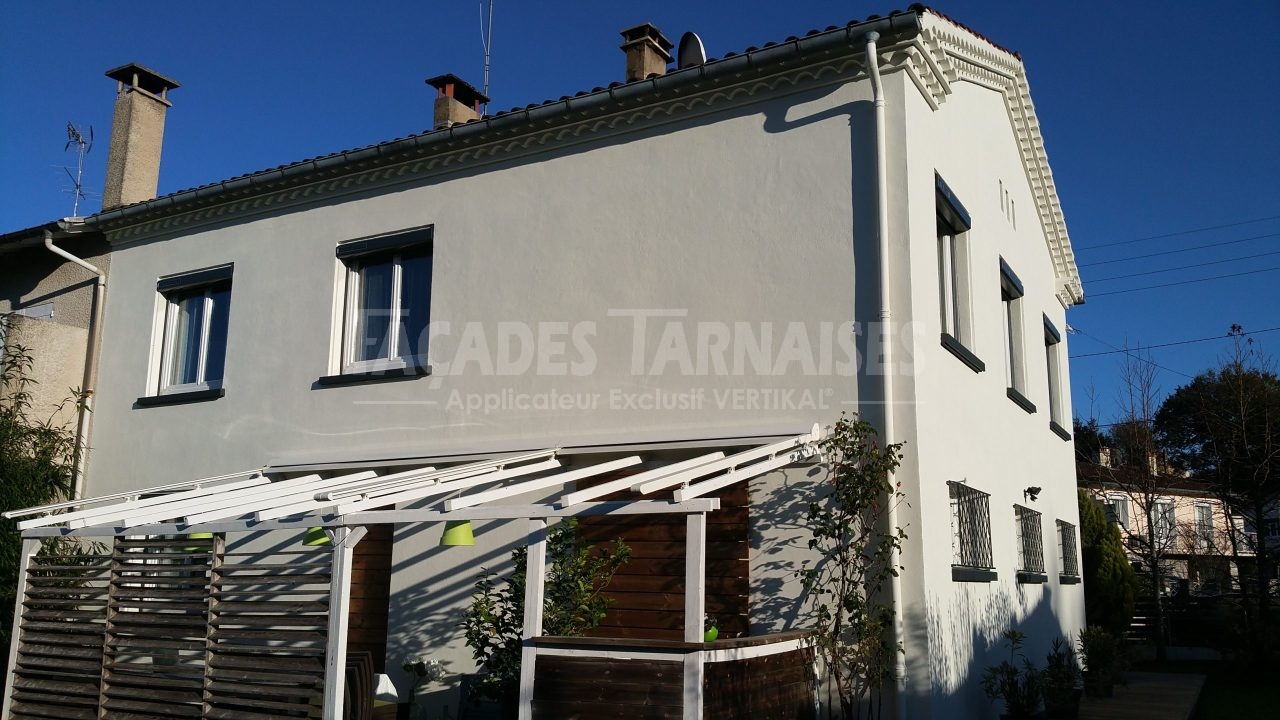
(882, 230)
(90, 363)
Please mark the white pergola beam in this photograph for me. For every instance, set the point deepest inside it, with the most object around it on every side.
(309, 502)
(335, 669)
(30, 546)
(444, 488)
(96, 516)
(130, 495)
(448, 473)
(516, 512)
(273, 495)
(534, 587)
(612, 486)
(744, 473)
(557, 480)
(730, 463)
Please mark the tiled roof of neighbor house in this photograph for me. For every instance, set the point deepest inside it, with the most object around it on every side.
(1094, 474)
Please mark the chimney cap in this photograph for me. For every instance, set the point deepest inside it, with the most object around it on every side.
(451, 85)
(146, 79)
(647, 31)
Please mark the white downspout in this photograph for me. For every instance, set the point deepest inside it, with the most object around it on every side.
(886, 328)
(90, 362)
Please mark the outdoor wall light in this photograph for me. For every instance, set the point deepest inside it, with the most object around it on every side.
(1031, 493)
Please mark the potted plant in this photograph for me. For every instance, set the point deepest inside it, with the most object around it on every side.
(1060, 681)
(1020, 688)
(1100, 651)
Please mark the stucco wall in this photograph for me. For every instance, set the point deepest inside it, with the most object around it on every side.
(57, 366)
(965, 428)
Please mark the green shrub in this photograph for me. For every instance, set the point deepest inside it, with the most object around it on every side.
(1109, 582)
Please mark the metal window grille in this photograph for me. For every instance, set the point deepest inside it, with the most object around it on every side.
(1067, 548)
(970, 527)
(1030, 545)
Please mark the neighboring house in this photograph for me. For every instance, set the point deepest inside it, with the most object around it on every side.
(638, 278)
(1192, 527)
(53, 275)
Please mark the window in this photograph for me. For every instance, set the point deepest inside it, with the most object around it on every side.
(1163, 519)
(1030, 545)
(970, 534)
(1015, 369)
(1070, 567)
(953, 276)
(386, 304)
(193, 332)
(1053, 365)
(1117, 507)
(1204, 526)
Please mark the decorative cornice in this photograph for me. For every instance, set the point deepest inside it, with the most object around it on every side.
(959, 55)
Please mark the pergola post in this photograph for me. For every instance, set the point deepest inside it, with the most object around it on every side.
(695, 606)
(30, 546)
(534, 592)
(335, 669)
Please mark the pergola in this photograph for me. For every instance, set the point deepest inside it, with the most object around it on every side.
(252, 501)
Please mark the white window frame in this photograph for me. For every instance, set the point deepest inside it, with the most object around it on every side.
(1164, 520)
(1116, 502)
(1204, 530)
(172, 291)
(953, 266)
(1053, 366)
(383, 248)
(1011, 293)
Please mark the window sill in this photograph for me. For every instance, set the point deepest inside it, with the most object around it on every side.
(1059, 430)
(960, 573)
(356, 378)
(1021, 400)
(1031, 578)
(180, 398)
(1068, 579)
(959, 350)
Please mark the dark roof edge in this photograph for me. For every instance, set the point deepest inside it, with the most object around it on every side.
(66, 228)
(896, 27)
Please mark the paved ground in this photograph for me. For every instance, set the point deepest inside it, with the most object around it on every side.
(1157, 696)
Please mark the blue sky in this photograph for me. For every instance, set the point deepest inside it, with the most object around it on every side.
(1159, 119)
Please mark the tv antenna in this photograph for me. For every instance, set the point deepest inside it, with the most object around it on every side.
(83, 146)
(486, 42)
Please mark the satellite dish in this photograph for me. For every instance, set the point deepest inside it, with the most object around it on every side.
(691, 51)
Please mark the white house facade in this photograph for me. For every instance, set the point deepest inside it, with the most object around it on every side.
(682, 264)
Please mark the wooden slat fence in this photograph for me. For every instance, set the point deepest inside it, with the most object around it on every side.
(174, 628)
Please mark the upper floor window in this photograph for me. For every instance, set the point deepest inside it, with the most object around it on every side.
(193, 348)
(1162, 517)
(1015, 365)
(1204, 526)
(387, 301)
(953, 276)
(1117, 507)
(1053, 365)
(970, 533)
(1030, 545)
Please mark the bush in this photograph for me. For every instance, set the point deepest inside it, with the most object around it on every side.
(1109, 582)
(574, 603)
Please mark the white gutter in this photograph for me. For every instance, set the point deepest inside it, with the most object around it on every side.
(90, 363)
(886, 329)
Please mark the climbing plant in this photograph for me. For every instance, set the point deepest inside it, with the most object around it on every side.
(850, 530)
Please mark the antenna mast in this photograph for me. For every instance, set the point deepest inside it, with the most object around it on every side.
(83, 146)
(486, 41)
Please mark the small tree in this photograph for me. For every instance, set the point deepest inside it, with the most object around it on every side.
(849, 530)
(36, 468)
(577, 576)
(1109, 584)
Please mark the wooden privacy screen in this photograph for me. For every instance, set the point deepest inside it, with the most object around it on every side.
(173, 628)
(648, 592)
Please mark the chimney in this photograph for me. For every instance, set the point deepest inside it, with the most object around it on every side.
(646, 48)
(137, 132)
(456, 101)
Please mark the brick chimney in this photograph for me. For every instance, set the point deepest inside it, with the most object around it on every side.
(456, 101)
(137, 132)
(646, 48)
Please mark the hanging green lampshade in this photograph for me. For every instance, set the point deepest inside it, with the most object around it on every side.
(198, 536)
(316, 537)
(457, 532)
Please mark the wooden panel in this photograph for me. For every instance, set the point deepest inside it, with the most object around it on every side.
(58, 671)
(370, 596)
(648, 592)
(602, 688)
(774, 686)
(268, 628)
